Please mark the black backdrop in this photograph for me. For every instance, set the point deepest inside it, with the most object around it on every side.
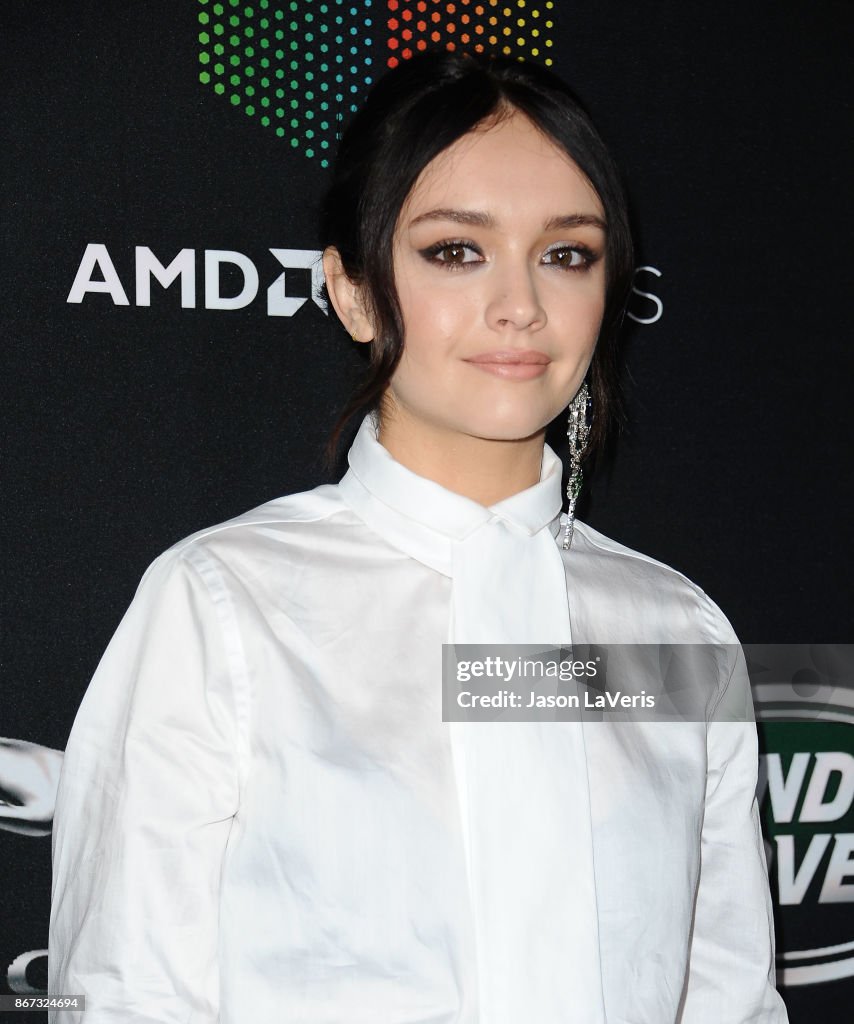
(129, 426)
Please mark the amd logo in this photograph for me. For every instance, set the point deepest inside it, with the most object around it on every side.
(97, 274)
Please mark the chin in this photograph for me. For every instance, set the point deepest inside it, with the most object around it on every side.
(508, 428)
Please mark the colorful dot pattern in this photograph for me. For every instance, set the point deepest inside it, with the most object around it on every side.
(301, 67)
(514, 28)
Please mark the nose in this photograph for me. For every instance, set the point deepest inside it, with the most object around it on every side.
(514, 302)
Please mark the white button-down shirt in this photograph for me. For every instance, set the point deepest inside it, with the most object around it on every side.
(262, 816)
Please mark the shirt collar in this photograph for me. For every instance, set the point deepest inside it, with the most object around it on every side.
(423, 518)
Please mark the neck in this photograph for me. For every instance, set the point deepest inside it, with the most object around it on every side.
(486, 471)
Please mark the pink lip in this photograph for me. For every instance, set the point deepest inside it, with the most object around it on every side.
(512, 364)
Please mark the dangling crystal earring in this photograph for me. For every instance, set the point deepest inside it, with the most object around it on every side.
(577, 432)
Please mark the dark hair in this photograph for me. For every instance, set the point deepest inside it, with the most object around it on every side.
(410, 116)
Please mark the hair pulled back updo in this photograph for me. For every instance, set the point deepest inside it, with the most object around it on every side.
(410, 116)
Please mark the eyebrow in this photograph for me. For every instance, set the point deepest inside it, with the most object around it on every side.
(477, 219)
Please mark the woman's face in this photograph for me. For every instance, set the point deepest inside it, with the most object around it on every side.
(500, 271)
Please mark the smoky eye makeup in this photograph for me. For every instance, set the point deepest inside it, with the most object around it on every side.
(571, 256)
(453, 253)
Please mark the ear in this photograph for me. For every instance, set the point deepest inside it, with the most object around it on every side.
(346, 298)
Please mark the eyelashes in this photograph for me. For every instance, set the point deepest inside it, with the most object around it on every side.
(452, 253)
(571, 257)
(461, 253)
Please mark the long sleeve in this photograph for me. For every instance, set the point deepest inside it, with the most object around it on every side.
(731, 967)
(147, 794)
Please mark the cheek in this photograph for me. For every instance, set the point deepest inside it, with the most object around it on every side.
(580, 316)
(435, 321)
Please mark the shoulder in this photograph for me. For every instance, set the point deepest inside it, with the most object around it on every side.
(639, 597)
(306, 507)
(611, 554)
(274, 535)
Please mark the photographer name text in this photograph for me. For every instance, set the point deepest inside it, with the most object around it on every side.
(512, 699)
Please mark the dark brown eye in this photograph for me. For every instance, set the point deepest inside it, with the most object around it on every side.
(455, 254)
(565, 258)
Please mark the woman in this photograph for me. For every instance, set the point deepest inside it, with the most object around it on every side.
(279, 825)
